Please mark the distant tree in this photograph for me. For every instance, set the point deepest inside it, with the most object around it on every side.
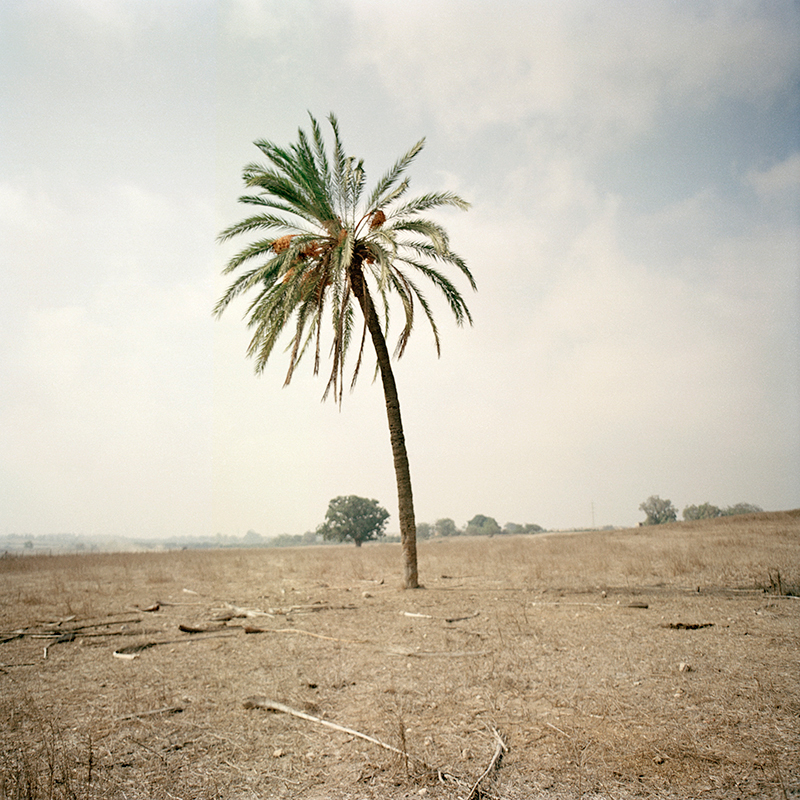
(445, 527)
(705, 511)
(658, 511)
(287, 540)
(310, 537)
(252, 539)
(424, 530)
(532, 527)
(741, 508)
(528, 527)
(354, 519)
(481, 525)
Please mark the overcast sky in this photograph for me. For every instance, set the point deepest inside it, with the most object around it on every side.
(634, 174)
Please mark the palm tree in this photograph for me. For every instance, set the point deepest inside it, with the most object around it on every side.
(336, 247)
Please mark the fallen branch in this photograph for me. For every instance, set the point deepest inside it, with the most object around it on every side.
(185, 628)
(688, 626)
(271, 705)
(67, 637)
(446, 619)
(132, 651)
(401, 651)
(476, 792)
(259, 701)
(251, 629)
(153, 713)
(461, 619)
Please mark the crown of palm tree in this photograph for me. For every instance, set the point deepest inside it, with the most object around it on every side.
(334, 245)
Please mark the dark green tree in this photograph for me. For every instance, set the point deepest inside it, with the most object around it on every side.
(704, 511)
(515, 528)
(353, 519)
(658, 511)
(339, 250)
(481, 525)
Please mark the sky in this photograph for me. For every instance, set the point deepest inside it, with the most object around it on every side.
(633, 170)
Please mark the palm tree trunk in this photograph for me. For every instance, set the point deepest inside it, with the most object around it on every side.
(405, 499)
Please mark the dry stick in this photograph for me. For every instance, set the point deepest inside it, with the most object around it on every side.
(558, 730)
(133, 650)
(271, 705)
(259, 701)
(67, 637)
(446, 619)
(154, 712)
(461, 619)
(400, 651)
(306, 633)
(501, 748)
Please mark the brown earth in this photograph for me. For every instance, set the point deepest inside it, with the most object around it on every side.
(646, 663)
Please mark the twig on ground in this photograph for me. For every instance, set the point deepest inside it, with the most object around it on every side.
(250, 629)
(687, 626)
(461, 619)
(446, 619)
(132, 651)
(558, 730)
(153, 713)
(475, 792)
(186, 628)
(401, 651)
(263, 702)
(271, 705)
(67, 637)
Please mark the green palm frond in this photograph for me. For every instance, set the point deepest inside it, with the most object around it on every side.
(427, 202)
(317, 234)
(377, 198)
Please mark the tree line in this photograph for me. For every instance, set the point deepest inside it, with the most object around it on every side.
(358, 520)
(659, 511)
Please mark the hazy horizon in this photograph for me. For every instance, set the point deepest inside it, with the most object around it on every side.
(634, 175)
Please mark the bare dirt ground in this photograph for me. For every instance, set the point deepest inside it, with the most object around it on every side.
(647, 663)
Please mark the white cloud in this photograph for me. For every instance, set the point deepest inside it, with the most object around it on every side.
(589, 75)
(781, 179)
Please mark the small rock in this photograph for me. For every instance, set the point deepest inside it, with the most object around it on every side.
(366, 594)
(277, 753)
(658, 760)
(684, 667)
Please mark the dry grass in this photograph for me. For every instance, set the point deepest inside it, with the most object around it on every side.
(584, 686)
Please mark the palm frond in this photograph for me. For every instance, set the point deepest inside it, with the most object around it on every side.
(428, 201)
(310, 197)
(255, 223)
(377, 199)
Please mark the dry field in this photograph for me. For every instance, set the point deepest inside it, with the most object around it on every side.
(647, 663)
